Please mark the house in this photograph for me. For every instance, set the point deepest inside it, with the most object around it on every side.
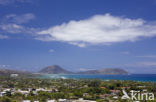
(141, 86)
(29, 89)
(81, 100)
(13, 75)
(26, 101)
(23, 92)
(62, 100)
(2, 93)
(115, 97)
(50, 100)
(40, 89)
(35, 92)
(115, 92)
(5, 91)
(125, 87)
(85, 94)
(104, 96)
(103, 87)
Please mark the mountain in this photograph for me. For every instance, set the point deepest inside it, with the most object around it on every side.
(112, 71)
(106, 71)
(55, 69)
(10, 71)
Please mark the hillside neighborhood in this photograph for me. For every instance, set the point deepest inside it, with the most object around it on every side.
(26, 89)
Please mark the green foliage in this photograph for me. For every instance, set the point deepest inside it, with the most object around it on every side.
(5, 99)
(68, 88)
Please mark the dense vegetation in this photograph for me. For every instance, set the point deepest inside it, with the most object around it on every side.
(69, 89)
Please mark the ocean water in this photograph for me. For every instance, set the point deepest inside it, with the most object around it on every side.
(133, 77)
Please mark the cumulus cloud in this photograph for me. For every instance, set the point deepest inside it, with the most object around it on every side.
(99, 29)
(3, 37)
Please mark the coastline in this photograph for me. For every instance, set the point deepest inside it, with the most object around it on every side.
(129, 77)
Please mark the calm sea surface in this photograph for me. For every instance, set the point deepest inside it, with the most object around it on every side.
(134, 77)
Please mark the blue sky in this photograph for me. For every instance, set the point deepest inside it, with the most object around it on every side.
(78, 35)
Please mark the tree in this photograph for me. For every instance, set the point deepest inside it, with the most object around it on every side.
(5, 99)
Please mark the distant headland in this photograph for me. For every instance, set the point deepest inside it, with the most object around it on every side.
(55, 69)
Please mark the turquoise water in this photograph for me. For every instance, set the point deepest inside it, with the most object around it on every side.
(133, 77)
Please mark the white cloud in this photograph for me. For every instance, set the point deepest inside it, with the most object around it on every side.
(12, 28)
(13, 24)
(147, 56)
(19, 19)
(3, 37)
(85, 69)
(147, 64)
(51, 50)
(142, 65)
(125, 52)
(6, 2)
(99, 29)
(16, 29)
(78, 44)
(4, 66)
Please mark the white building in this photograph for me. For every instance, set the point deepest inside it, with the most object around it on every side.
(62, 100)
(50, 100)
(115, 97)
(2, 93)
(26, 101)
(13, 75)
(81, 100)
(23, 92)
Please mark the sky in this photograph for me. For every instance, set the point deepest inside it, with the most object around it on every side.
(78, 35)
